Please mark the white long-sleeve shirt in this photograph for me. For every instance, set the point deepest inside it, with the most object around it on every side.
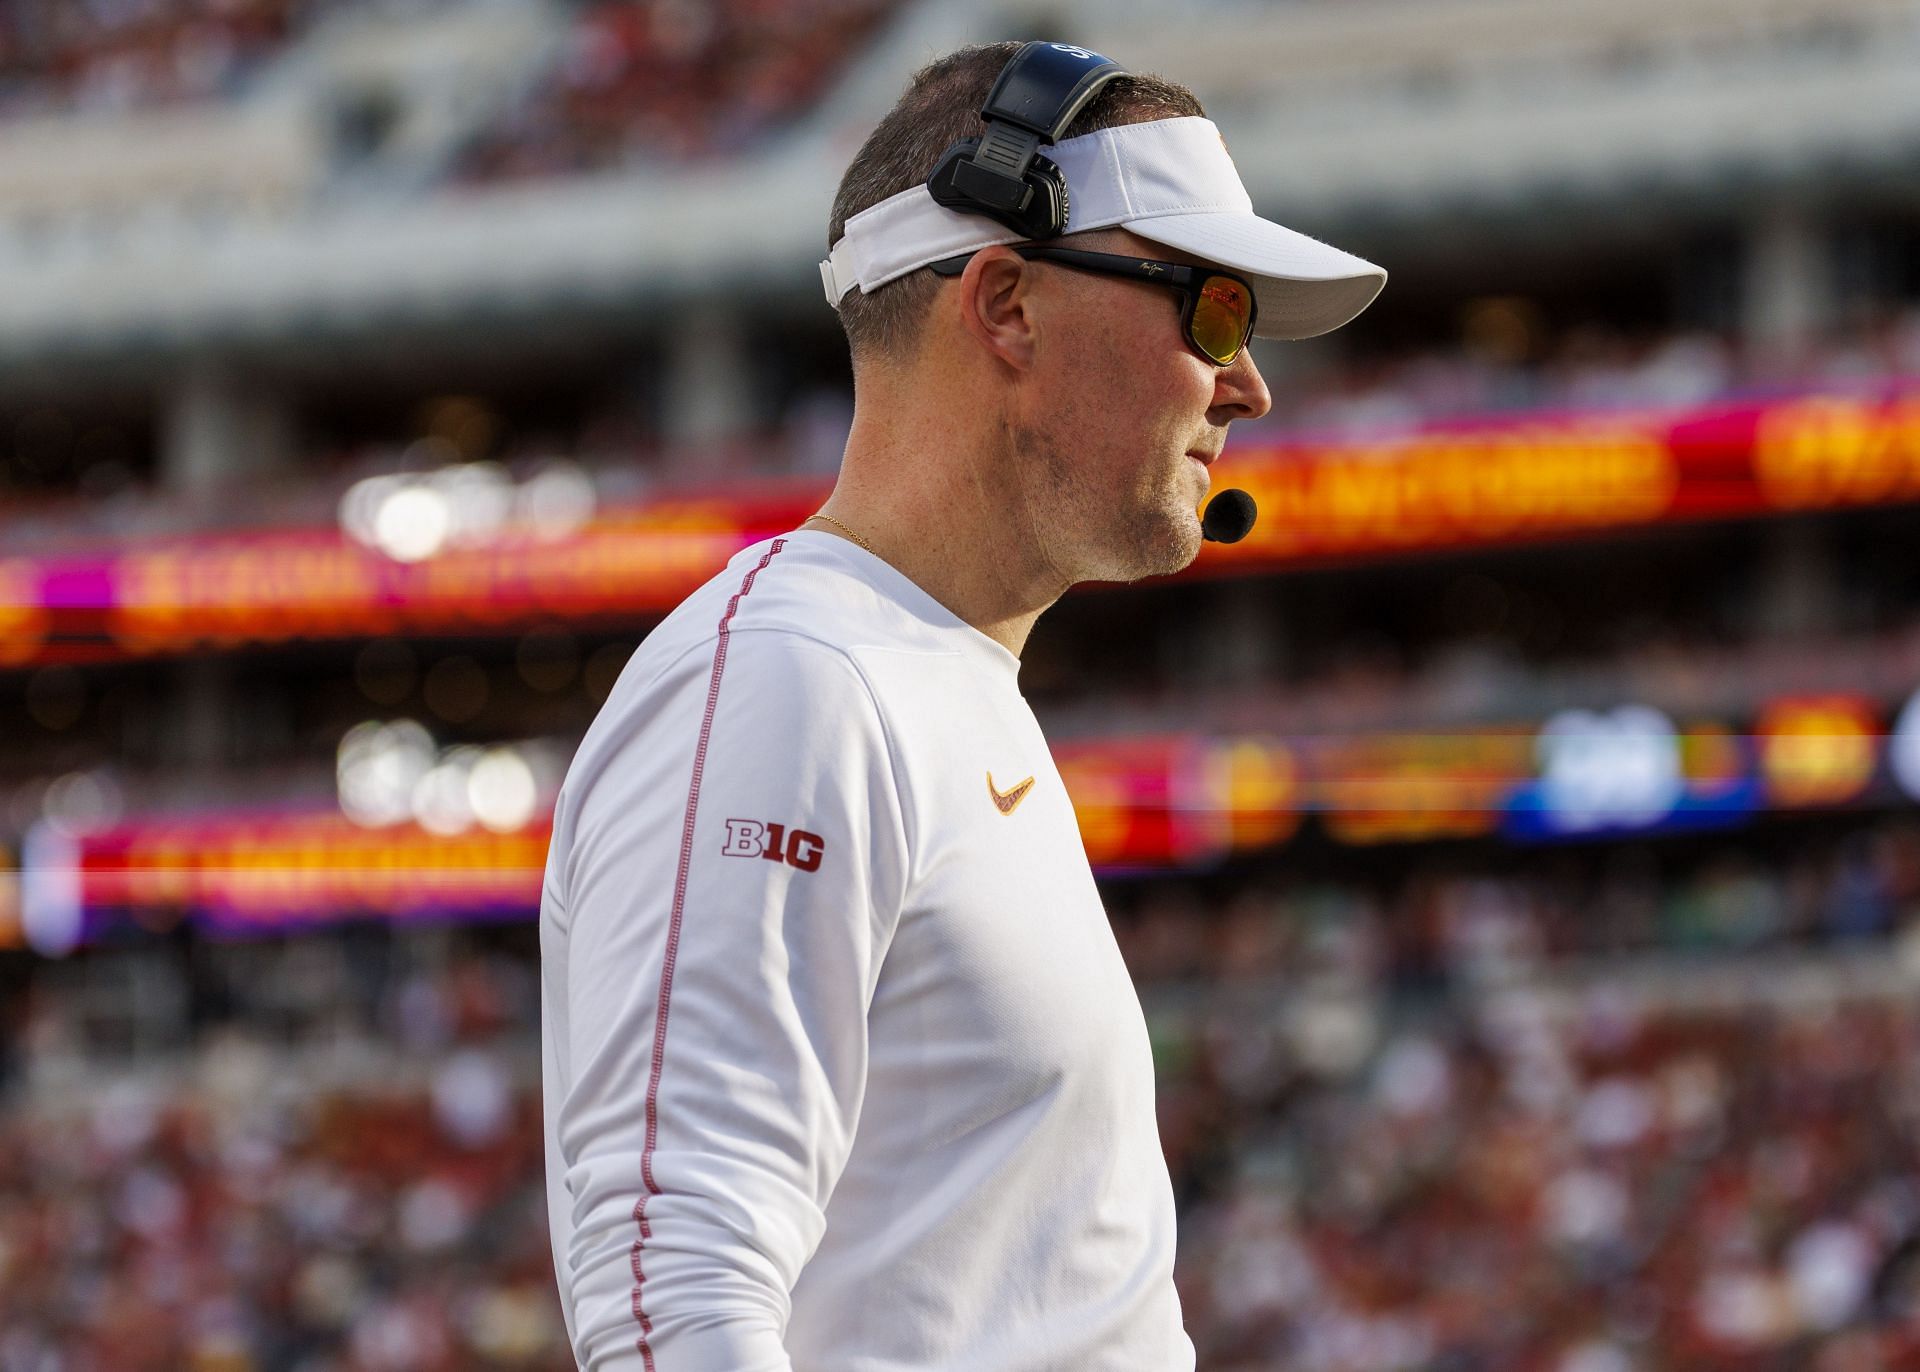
(843, 1071)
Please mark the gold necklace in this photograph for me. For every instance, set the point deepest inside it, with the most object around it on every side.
(849, 532)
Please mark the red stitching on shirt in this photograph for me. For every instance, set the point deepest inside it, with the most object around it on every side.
(673, 950)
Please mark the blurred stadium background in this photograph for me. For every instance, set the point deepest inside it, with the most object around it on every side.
(1514, 840)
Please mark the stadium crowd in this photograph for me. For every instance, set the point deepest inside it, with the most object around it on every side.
(1601, 1192)
(1396, 1144)
(635, 81)
(250, 1221)
(1462, 922)
(1520, 363)
(91, 56)
(642, 83)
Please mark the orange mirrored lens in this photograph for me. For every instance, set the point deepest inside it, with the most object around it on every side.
(1221, 317)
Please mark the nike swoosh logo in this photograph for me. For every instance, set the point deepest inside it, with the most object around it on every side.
(1008, 800)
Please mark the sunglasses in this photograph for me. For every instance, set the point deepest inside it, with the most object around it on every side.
(1217, 308)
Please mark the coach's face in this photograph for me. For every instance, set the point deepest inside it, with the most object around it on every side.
(1120, 419)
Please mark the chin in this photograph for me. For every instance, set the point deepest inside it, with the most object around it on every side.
(1190, 539)
(1168, 545)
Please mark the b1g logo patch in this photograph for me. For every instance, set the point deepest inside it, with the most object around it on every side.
(751, 838)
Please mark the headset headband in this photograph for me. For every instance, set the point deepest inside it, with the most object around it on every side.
(1001, 174)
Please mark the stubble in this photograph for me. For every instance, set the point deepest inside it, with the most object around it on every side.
(1094, 530)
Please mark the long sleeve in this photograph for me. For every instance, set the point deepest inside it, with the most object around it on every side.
(736, 871)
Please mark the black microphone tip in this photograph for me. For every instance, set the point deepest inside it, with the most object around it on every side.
(1229, 517)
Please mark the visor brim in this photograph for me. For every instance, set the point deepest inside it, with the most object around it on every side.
(1304, 287)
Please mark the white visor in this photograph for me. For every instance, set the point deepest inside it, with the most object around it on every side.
(1170, 181)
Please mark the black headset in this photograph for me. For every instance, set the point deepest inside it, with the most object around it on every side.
(1001, 174)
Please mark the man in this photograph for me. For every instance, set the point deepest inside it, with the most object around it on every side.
(843, 1069)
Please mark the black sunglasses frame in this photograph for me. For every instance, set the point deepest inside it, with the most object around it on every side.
(1176, 276)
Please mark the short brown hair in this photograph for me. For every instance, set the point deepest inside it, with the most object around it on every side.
(941, 106)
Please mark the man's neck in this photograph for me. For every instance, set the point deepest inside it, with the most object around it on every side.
(952, 527)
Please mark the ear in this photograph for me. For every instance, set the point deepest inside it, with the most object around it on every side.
(996, 305)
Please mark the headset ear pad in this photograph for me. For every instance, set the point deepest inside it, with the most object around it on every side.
(1050, 202)
(1044, 207)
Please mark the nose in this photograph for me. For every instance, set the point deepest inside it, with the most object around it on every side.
(1239, 391)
